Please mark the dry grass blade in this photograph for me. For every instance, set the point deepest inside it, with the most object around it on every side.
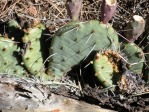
(56, 7)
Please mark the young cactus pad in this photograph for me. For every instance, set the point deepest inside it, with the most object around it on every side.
(32, 57)
(108, 8)
(135, 57)
(75, 42)
(106, 66)
(8, 58)
(74, 8)
(135, 28)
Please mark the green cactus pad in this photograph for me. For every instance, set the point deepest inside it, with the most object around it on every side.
(8, 58)
(135, 57)
(32, 57)
(106, 66)
(75, 41)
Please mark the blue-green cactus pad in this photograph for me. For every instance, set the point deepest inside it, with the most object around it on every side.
(75, 41)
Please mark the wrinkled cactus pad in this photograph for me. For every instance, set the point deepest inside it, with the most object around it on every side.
(75, 42)
(107, 67)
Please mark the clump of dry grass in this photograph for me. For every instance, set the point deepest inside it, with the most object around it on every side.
(53, 13)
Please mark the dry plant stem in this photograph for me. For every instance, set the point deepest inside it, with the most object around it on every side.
(74, 8)
(107, 10)
(5, 5)
(135, 28)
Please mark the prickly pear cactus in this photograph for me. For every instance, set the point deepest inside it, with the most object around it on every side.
(137, 25)
(76, 41)
(130, 53)
(134, 53)
(135, 57)
(106, 66)
(32, 56)
(9, 58)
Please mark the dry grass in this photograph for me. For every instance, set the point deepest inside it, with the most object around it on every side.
(53, 12)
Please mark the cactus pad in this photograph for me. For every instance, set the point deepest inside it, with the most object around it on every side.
(8, 58)
(75, 41)
(107, 67)
(135, 57)
(32, 56)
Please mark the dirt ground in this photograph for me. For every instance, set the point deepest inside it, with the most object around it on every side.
(53, 14)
